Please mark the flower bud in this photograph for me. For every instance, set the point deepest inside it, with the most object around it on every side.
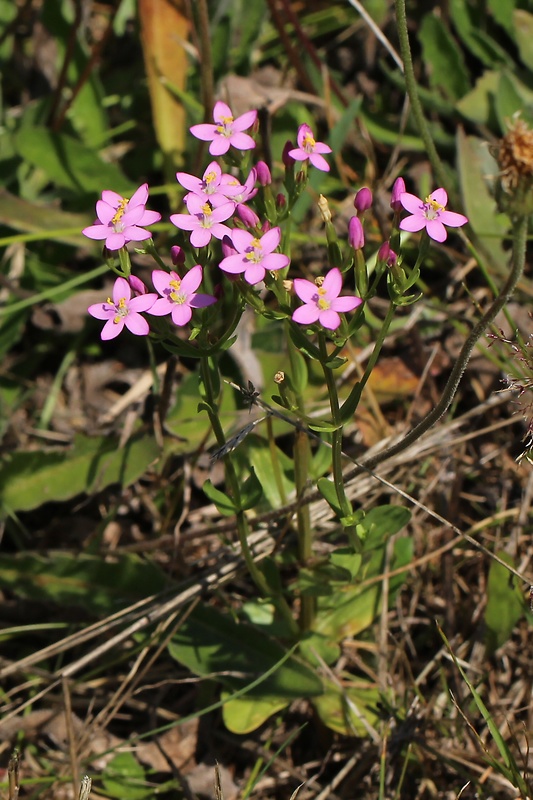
(227, 247)
(356, 236)
(249, 217)
(386, 254)
(323, 207)
(177, 255)
(288, 160)
(363, 200)
(281, 201)
(397, 190)
(137, 285)
(263, 173)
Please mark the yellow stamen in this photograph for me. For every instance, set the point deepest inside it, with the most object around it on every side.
(434, 205)
(308, 141)
(323, 304)
(175, 283)
(119, 213)
(207, 210)
(210, 177)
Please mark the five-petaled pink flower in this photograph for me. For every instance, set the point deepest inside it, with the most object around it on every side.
(310, 149)
(121, 219)
(254, 256)
(322, 301)
(430, 214)
(226, 131)
(178, 295)
(123, 310)
(203, 220)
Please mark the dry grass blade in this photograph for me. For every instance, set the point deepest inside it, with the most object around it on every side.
(13, 776)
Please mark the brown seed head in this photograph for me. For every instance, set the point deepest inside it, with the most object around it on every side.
(514, 154)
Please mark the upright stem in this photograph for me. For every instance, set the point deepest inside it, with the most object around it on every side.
(410, 84)
(242, 524)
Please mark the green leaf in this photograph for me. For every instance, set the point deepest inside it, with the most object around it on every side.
(29, 479)
(329, 493)
(81, 580)
(476, 166)
(125, 779)
(345, 709)
(244, 714)
(513, 96)
(468, 23)
(69, 163)
(502, 11)
(44, 220)
(523, 27)
(251, 492)
(210, 643)
(478, 104)
(224, 504)
(259, 456)
(347, 559)
(505, 603)
(382, 522)
(441, 54)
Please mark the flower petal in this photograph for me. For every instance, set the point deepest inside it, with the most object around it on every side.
(201, 237)
(135, 234)
(101, 311)
(112, 198)
(241, 141)
(414, 223)
(181, 314)
(105, 212)
(115, 241)
(254, 273)
(161, 307)
(202, 300)
(111, 329)
(96, 232)
(161, 280)
(436, 230)
(412, 203)
(219, 230)
(306, 315)
(298, 154)
(206, 131)
(274, 261)
(319, 162)
(192, 280)
(219, 146)
(245, 121)
(332, 283)
(270, 240)
(137, 324)
(439, 196)
(233, 264)
(139, 197)
(142, 302)
(453, 219)
(221, 111)
(185, 222)
(329, 319)
(306, 290)
(121, 290)
(344, 304)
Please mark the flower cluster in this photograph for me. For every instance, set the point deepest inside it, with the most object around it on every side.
(217, 210)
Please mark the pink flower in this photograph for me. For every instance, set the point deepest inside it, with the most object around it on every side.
(430, 214)
(122, 220)
(123, 310)
(322, 301)
(226, 131)
(203, 220)
(178, 295)
(356, 235)
(254, 256)
(310, 149)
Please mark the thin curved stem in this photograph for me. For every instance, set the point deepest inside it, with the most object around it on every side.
(519, 251)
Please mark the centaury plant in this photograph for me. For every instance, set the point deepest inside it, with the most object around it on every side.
(233, 255)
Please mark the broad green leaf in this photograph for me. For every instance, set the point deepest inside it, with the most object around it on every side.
(513, 96)
(347, 559)
(476, 168)
(443, 58)
(247, 714)
(523, 27)
(210, 642)
(69, 163)
(224, 504)
(329, 493)
(259, 457)
(505, 603)
(345, 709)
(382, 522)
(251, 492)
(29, 479)
(44, 220)
(81, 580)
(125, 779)
(468, 23)
(502, 11)
(249, 24)
(478, 104)
(316, 649)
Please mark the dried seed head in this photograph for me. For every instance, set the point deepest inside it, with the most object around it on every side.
(514, 154)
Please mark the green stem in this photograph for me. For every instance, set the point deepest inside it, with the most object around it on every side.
(336, 440)
(353, 399)
(301, 456)
(410, 85)
(234, 487)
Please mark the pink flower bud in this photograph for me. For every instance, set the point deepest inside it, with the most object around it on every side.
(356, 236)
(227, 247)
(281, 200)
(177, 255)
(397, 190)
(137, 285)
(263, 173)
(385, 253)
(285, 157)
(363, 200)
(266, 226)
(248, 216)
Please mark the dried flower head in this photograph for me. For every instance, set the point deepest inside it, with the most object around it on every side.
(514, 154)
